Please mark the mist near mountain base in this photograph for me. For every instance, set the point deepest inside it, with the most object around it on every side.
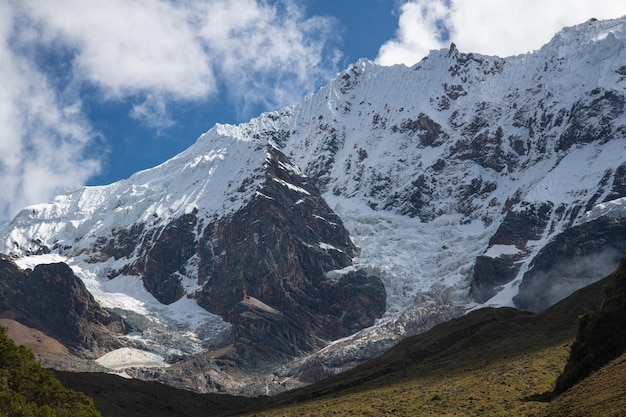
(542, 289)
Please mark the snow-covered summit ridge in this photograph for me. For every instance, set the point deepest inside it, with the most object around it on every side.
(372, 122)
(569, 40)
(447, 147)
(206, 177)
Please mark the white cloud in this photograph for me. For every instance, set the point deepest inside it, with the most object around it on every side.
(418, 32)
(513, 27)
(153, 113)
(43, 137)
(492, 27)
(128, 47)
(264, 54)
(164, 50)
(144, 53)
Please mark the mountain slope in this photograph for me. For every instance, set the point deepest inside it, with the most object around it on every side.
(51, 298)
(250, 244)
(490, 361)
(598, 394)
(391, 200)
(600, 336)
(493, 358)
(29, 390)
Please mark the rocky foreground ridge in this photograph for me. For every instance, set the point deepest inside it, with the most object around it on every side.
(392, 199)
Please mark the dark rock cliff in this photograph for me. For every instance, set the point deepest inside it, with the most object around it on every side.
(601, 334)
(52, 299)
(264, 269)
(517, 228)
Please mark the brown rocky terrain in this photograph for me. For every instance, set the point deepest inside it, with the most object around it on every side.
(51, 299)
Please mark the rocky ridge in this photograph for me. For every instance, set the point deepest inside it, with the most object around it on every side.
(53, 298)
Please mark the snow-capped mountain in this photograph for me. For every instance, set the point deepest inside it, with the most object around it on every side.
(392, 199)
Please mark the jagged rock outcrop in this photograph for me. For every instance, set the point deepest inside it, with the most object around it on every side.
(516, 230)
(52, 299)
(601, 334)
(264, 269)
(618, 188)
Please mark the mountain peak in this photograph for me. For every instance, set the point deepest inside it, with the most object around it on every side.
(575, 39)
(412, 193)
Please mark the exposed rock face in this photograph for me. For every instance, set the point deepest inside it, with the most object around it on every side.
(357, 298)
(489, 273)
(162, 256)
(264, 269)
(517, 229)
(52, 299)
(601, 335)
(591, 119)
(619, 183)
(575, 258)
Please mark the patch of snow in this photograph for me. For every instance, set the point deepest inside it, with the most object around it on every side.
(292, 186)
(576, 175)
(496, 251)
(504, 297)
(328, 246)
(126, 357)
(615, 209)
(30, 262)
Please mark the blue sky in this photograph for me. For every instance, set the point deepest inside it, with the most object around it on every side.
(93, 90)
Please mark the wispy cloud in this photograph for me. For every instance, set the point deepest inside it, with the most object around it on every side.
(260, 52)
(492, 27)
(43, 138)
(266, 55)
(127, 47)
(148, 54)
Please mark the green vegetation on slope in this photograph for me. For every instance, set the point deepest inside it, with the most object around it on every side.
(502, 387)
(601, 394)
(490, 362)
(27, 390)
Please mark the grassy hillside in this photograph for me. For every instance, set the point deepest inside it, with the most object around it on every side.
(504, 387)
(26, 389)
(496, 362)
(115, 396)
(601, 334)
(603, 394)
(491, 362)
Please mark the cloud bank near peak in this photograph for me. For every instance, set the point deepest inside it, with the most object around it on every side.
(490, 27)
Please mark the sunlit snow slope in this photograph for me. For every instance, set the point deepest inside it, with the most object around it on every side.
(207, 178)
